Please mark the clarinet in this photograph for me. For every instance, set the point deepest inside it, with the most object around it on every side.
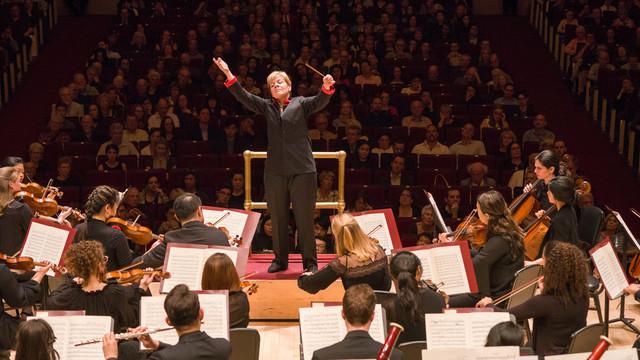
(390, 342)
(599, 350)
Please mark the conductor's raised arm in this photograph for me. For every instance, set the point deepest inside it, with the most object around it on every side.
(316, 103)
(250, 101)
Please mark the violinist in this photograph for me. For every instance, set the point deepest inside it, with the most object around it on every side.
(102, 205)
(562, 306)
(413, 300)
(188, 209)
(17, 163)
(220, 274)
(16, 295)
(85, 260)
(501, 257)
(15, 216)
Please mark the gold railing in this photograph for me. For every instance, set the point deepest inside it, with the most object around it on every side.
(338, 155)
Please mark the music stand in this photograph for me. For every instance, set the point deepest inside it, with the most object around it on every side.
(621, 317)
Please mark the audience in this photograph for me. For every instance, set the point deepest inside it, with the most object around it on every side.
(467, 145)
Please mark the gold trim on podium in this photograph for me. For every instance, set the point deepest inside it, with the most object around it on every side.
(339, 205)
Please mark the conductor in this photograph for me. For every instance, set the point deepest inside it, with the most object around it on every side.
(290, 171)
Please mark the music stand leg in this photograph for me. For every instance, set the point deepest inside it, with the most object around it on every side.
(621, 318)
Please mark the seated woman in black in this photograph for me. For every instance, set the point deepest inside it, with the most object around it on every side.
(562, 306)
(86, 261)
(360, 260)
(413, 299)
(220, 274)
(546, 167)
(496, 263)
(564, 224)
(15, 216)
(102, 205)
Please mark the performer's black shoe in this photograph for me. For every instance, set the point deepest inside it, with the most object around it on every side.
(277, 266)
(312, 268)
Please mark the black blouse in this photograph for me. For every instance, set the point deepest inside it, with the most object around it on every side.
(352, 272)
(14, 224)
(564, 227)
(15, 295)
(114, 242)
(238, 309)
(414, 329)
(494, 267)
(122, 303)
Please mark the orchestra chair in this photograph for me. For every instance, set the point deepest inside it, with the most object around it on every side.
(585, 339)
(522, 277)
(245, 344)
(412, 350)
(383, 296)
(591, 218)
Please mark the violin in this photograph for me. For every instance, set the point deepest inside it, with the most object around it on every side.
(471, 230)
(249, 287)
(39, 191)
(437, 288)
(534, 234)
(26, 263)
(46, 206)
(138, 234)
(133, 276)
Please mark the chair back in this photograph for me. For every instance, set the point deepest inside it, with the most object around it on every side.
(522, 277)
(412, 350)
(245, 344)
(585, 339)
(384, 296)
(591, 218)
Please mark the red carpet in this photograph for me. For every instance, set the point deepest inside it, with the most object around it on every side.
(526, 59)
(261, 262)
(64, 53)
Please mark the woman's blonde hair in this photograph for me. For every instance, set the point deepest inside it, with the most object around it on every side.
(8, 174)
(350, 239)
(274, 74)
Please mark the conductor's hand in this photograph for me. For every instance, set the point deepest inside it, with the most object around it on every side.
(328, 82)
(222, 65)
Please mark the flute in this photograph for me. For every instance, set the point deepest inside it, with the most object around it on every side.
(221, 218)
(124, 336)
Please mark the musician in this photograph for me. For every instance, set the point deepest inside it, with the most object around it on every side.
(184, 313)
(358, 304)
(85, 260)
(360, 260)
(564, 224)
(561, 308)
(15, 216)
(102, 204)
(546, 167)
(502, 255)
(34, 341)
(189, 213)
(506, 333)
(220, 274)
(16, 162)
(413, 299)
(290, 172)
(16, 295)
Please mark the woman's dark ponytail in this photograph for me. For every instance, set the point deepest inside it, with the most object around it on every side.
(404, 267)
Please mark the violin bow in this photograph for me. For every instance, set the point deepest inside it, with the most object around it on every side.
(131, 266)
(465, 224)
(635, 212)
(245, 276)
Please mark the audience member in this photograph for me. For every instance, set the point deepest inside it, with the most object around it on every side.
(477, 176)
(539, 133)
(116, 131)
(430, 145)
(467, 145)
(397, 175)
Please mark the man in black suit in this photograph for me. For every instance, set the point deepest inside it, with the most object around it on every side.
(189, 213)
(358, 304)
(184, 313)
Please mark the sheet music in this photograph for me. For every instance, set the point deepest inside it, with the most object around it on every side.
(370, 221)
(45, 243)
(461, 330)
(215, 322)
(617, 354)
(322, 326)
(611, 273)
(481, 353)
(234, 222)
(444, 264)
(72, 329)
(187, 264)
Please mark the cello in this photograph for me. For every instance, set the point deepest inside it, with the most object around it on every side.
(534, 234)
(525, 204)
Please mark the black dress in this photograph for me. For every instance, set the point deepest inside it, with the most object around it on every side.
(122, 303)
(414, 329)
(495, 271)
(352, 272)
(14, 224)
(114, 242)
(16, 295)
(564, 227)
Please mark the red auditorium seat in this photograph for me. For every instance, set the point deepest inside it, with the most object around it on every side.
(138, 177)
(80, 148)
(375, 194)
(406, 225)
(197, 161)
(234, 161)
(115, 179)
(214, 177)
(437, 161)
(428, 176)
(193, 147)
(464, 160)
(357, 176)
(83, 163)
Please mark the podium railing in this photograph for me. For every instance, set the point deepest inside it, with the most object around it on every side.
(338, 155)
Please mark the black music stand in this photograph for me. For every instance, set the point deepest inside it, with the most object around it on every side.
(621, 317)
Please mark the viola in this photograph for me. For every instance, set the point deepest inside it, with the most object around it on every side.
(26, 263)
(138, 234)
(134, 275)
(46, 206)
